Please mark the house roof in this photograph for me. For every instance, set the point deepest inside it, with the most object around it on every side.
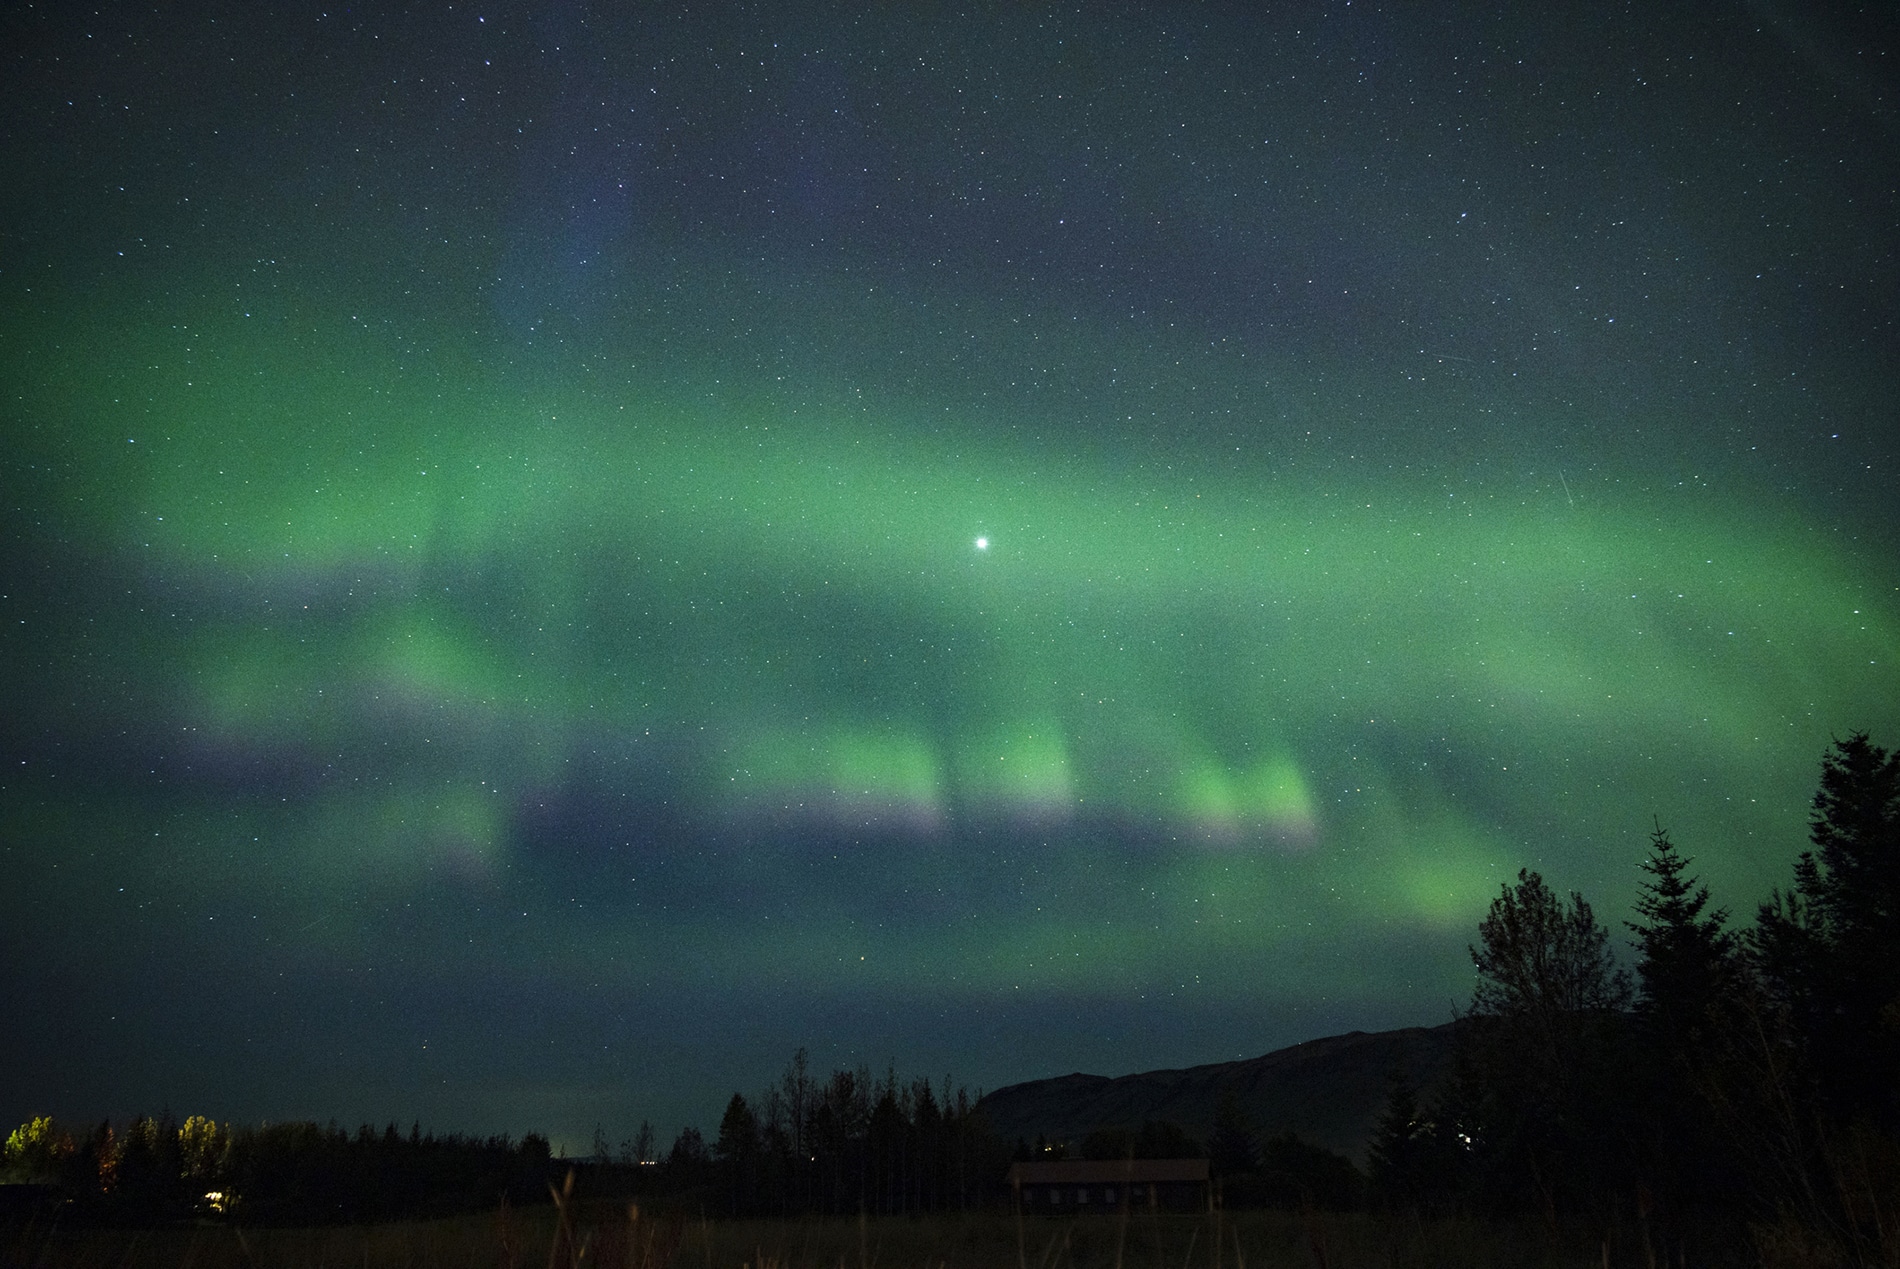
(1107, 1171)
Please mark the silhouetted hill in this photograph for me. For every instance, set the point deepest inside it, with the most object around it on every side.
(1328, 1091)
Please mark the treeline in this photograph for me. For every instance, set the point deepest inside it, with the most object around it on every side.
(1752, 1073)
(845, 1143)
(156, 1171)
(806, 1145)
(1748, 1074)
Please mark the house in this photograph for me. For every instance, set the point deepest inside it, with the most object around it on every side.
(1080, 1186)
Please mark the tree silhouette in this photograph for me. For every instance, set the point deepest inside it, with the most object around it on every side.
(1689, 975)
(1685, 958)
(1828, 948)
(1543, 961)
(1545, 1032)
(1401, 1147)
(737, 1150)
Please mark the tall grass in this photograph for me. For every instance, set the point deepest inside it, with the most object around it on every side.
(575, 1234)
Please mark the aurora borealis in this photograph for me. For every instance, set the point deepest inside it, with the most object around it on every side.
(495, 624)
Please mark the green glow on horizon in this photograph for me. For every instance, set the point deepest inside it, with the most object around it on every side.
(494, 583)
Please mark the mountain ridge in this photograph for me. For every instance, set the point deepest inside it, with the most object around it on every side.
(1329, 1090)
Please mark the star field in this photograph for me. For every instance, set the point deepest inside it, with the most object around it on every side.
(554, 555)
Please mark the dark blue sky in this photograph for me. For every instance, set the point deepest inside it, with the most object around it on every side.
(555, 555)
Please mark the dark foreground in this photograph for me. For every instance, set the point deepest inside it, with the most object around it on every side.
(620, 1238)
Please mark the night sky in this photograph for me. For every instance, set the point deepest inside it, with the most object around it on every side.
(554, 555)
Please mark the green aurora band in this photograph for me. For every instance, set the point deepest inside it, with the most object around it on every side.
(1166, 722)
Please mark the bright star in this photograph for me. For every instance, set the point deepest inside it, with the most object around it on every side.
(982, 544)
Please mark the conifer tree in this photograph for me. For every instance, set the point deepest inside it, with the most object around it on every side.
(1829, 947)
(1400, 1146)
(737, 1149)
(1685, 958)
(1688, 981)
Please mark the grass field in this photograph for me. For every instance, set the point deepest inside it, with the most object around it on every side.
(615, 1238)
